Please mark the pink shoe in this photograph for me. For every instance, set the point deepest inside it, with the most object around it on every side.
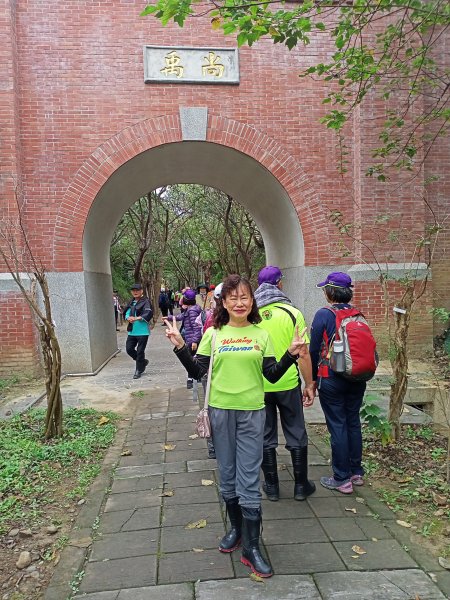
(357, 480)
(345, 487)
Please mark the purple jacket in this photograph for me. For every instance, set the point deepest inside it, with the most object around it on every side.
(192, 333)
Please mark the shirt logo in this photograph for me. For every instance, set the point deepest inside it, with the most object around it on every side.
(266, 314)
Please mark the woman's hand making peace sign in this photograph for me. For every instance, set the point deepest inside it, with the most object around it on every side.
(298, 345)
(173, 333)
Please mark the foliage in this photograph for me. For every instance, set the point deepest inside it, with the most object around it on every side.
(371, 416)
(390, 47)
(30, 467)
(183, 235)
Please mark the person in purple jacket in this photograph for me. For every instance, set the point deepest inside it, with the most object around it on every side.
(192, 331)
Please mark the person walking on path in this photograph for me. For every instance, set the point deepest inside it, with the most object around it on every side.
(279, 319)
(340, 398)
(243, 355)
(138, 313)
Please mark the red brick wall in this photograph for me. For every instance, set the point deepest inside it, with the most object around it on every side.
(18, 348)
(76, 108)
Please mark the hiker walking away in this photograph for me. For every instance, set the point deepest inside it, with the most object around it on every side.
(243, 355)
(341, 399)
(138, 313)
(279, 319)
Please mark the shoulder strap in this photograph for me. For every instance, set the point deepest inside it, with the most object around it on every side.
(208, 382)
(286, 310)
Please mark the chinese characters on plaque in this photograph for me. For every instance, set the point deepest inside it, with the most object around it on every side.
(190, 65)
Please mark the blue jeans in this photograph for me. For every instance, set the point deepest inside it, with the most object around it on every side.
(341, 402)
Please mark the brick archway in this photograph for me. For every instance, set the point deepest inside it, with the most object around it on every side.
(155, 132)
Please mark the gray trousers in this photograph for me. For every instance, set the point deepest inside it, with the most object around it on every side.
(238, 441)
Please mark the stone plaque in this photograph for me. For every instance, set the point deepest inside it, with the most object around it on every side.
(164, 64)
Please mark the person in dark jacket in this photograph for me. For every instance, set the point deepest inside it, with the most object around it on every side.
(192, 331)
(340, 398)
(138, 313)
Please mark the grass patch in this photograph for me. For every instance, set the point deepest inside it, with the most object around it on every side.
(35, 474)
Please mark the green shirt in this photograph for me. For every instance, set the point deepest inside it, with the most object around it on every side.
(281, 328)
(237, 379)
(139, 327)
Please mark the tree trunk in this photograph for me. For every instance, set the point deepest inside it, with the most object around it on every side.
(399, 363)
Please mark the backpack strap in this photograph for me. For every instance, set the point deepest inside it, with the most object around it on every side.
(286, 310)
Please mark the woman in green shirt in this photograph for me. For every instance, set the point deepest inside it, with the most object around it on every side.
(243, 355)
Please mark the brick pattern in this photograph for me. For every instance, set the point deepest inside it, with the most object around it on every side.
(74, 108)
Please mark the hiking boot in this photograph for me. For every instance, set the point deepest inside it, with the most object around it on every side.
(303, 487)
(271, 485)
(189, 384)
(357, 480)
(145, 365)
(345, 486)
(136, 375)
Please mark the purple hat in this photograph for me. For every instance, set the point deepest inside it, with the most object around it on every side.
(269, 275)
(189, 295)
(337, 279)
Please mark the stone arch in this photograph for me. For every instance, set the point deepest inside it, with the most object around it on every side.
(234, 157)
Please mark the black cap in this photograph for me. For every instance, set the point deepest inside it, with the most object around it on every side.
(136, 286)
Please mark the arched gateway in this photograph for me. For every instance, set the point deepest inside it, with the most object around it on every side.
(93, 117)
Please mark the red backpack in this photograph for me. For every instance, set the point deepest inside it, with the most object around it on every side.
(361, 358)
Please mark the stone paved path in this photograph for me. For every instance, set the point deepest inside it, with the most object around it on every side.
(131, 541)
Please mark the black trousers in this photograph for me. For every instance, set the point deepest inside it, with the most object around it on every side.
(136, 349)
(289, 404)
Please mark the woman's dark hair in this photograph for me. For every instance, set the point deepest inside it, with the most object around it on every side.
(231, 283)
(189, 301)
(338, 295)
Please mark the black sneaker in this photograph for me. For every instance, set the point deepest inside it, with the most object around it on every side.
(145, 365)
(136, 375)
(190, 384)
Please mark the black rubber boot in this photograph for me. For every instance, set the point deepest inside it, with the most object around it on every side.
(271, 485)
(251, 554)
(211, 451)
(232, 539)
(303, 486)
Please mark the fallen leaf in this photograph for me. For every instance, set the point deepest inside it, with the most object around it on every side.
(170, 446)
(207, 482)
(102, 421)
(353, 510)
(439, 499)
(257, 578)
(194, 436)
(197, 550)
(444, 562)
(282, 467)
(126, 453)
(358, 550)
(83, 542)
(197, 524)
(168, 493)
(403, 524)
(360, 500)
(355, 556)
(374, 539)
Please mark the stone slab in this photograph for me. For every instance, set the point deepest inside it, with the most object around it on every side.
(121, 573)
(180, 539)
(137, 484)
(387, 585)
(190, 566)
(174, 435)
(100, 596)
(125, 545)
(289, 532)
(147, 470)
(141, 459)
(282, 587)
(201, 465)
(335, 507)
(130, 520)
(179, 591)
(179, 480)
(133, 500)
(304, 558)
(189, 455)
(383, 554)
(286, 509)
(172, 515)
(191, 495)
(341, 529)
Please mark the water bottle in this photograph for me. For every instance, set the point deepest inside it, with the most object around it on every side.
(338, 357)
